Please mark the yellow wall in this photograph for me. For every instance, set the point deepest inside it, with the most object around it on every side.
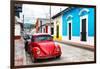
(60, 37)
(58, 22)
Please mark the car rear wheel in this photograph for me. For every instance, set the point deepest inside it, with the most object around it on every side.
(33, 59)
(27, 49)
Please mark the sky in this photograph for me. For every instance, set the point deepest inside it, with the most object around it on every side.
(32, 12)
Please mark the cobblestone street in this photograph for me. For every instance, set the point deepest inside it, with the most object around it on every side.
(69, 54)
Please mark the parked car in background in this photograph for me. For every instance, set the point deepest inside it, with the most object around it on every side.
(42, 46)
(27, 39)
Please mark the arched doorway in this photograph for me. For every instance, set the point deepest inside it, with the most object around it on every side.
(84, 28)
(83, 24)
(69, 26)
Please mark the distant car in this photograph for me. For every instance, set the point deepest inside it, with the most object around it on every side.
(27, 39)
(42, 46)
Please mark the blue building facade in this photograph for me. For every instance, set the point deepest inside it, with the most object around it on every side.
(78, 22)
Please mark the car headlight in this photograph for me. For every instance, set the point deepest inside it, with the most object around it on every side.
(38, 51)
(57, 47)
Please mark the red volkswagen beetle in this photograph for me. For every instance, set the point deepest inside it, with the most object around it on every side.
(42, 46)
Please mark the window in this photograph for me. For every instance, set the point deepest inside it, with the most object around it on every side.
(42, 38)
(52, 30)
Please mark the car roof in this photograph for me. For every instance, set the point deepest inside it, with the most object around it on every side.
(39, 34)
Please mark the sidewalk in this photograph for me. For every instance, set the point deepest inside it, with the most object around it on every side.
(19, 52)
(80, 45)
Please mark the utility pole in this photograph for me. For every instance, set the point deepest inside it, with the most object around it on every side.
(23, 23)
(50, 19)
(50, 14)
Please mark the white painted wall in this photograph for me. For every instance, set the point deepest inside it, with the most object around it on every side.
(60, 27)
(77, 39)
(54, 26)
(17, 30)
(49, 30)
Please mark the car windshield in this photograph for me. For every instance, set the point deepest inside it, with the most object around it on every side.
(43, 38)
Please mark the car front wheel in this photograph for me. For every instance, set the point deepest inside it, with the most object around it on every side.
(26, 46)
(33, 59)
(58, 56)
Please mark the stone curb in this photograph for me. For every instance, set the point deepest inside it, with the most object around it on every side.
(79, 45)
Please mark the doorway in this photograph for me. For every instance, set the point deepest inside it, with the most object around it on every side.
(57, 31)
(84, 28)
(69, 31)
(46, 29)
(52, 30)
(83, 32)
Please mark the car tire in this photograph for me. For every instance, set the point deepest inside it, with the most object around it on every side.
(58, 56)
(33, 59)
(26, 46)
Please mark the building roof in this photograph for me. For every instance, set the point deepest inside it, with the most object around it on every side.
(60, 13)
